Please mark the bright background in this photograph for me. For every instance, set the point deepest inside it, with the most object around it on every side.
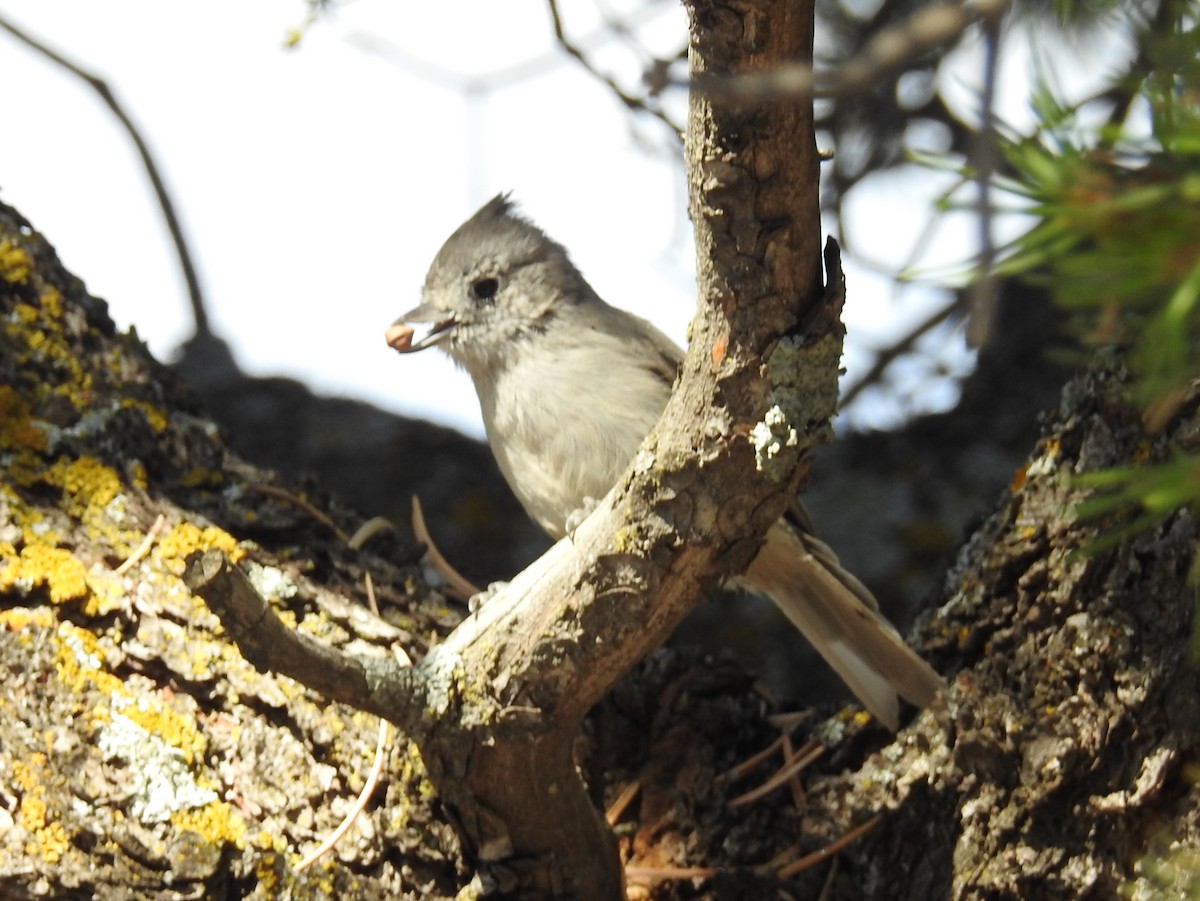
(316, 184)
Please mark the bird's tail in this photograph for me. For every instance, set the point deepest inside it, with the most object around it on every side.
(841, 618)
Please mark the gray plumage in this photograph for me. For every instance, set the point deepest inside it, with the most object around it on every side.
(569, 386)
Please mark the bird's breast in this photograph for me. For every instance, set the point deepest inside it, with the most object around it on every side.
(563, 426)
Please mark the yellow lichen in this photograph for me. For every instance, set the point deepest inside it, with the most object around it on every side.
(269, 841)
(48, 839)
(51, 302)
(173, 548)
(38, 340)
(41, 565)
(18, 619)
(107, 593)
(216, 822)
(199, 477)
(155, 418)
(15, 264)
(25, 313)
(414, 774)
(79, 661)
(137, 475)
(176, 729)
(87, 484)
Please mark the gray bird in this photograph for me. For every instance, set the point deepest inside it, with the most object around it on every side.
(569, 386)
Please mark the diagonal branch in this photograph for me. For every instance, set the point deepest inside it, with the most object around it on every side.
(577, 53)
(195, 293)
(496, 708)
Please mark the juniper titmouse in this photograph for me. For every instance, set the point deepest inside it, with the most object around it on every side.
(569, 386)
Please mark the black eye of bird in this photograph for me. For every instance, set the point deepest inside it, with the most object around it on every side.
(484, 288)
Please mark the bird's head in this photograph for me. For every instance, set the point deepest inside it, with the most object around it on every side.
(496, 282)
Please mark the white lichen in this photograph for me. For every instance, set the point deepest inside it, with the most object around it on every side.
(162, 782)
(770, 436)
(271, 582)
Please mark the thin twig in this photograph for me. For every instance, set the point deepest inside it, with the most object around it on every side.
(736, 772)
(624, 798)
(319, 516)
(884, 358)
(630, 101)
(652, 875)
(195, 294)
(789, 757)
(983, 295)
(144, 548)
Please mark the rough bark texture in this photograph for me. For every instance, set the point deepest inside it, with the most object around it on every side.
(1065, 746)
(142, 756)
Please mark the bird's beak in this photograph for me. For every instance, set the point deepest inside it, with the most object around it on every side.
(400, 334)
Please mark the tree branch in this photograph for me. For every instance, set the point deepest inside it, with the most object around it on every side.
(495, 709)
(377, 685)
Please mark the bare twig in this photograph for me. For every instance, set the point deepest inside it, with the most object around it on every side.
(885, 357)
(740, 770)
(319, 516)
(652, 875)
(807, 755)
(789, 757)
(195, 294)
(887, 52)
(982, 293)
(577, 53)
(374, 684)
(624, 798)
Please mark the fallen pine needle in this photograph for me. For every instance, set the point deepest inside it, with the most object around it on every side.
(829, 850)
(359, 803)
(456, 584)
(624, 797)
(807, 755)
(144, 548)
(651, 875)
(376, 765)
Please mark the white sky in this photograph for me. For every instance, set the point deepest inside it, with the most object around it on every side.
(315, 185)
